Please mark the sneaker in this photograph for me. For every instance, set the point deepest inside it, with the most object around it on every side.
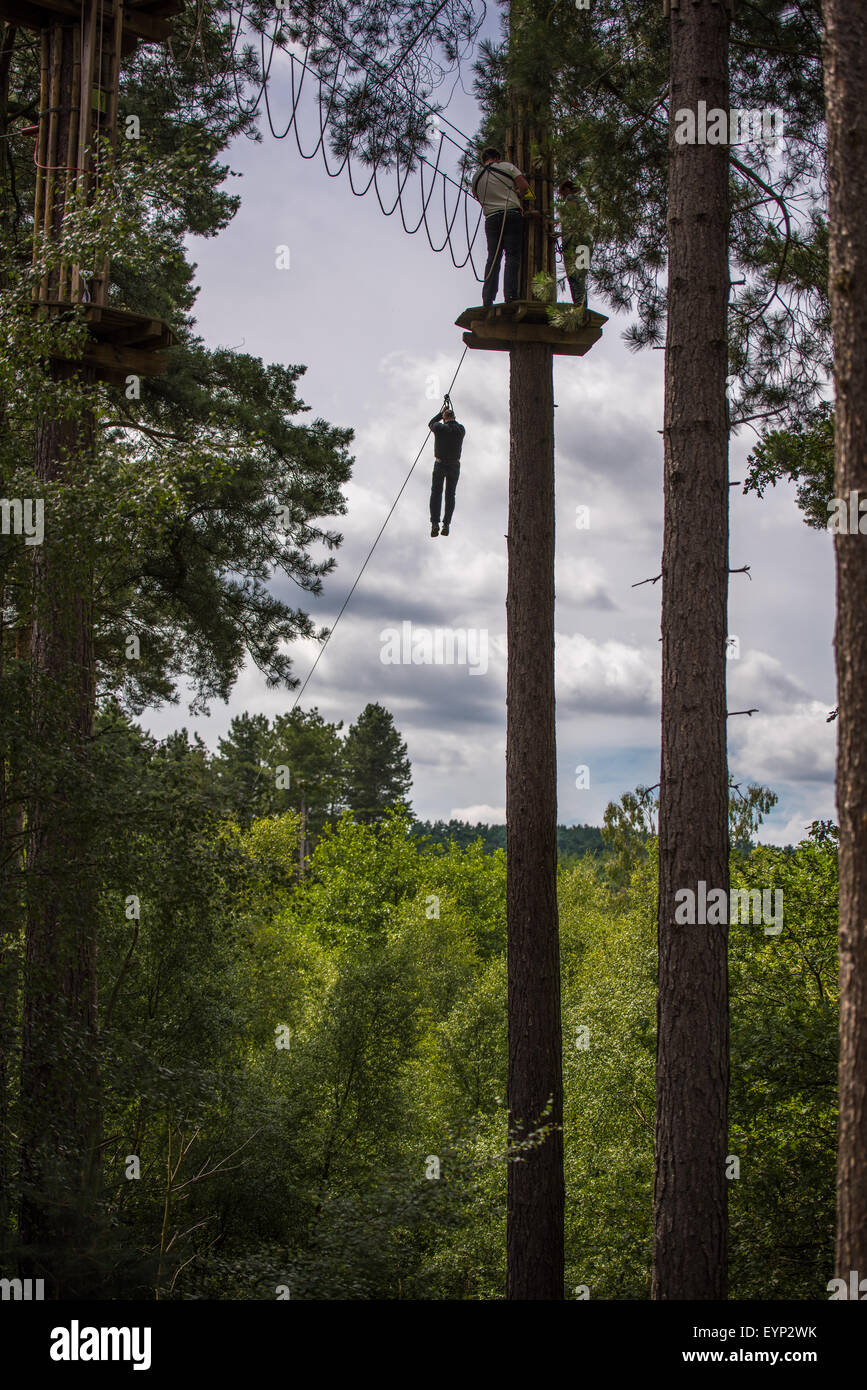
(445, 530)
(434, 530)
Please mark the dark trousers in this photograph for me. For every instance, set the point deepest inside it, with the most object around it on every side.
(447, 473)
(578, 286)
(577, 278)
(505, 234)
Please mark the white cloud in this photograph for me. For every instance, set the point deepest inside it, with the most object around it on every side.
(797, 826)
(609, 676)
(795, 747)
(485, 815)
(758, 679)
(368, 364)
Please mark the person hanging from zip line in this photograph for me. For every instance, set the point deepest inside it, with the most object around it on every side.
(501, 189)
(575, 240)
(448, 440)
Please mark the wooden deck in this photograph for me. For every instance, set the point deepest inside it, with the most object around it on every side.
(144, 21)
(526, 321)
(123, 344)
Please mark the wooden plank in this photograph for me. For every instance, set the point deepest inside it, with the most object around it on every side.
(490, 345)
(137, 24)
(159, 9)
(47, 10)
(530, 311)
(147, 28)
(565, 348)
(41, 161)
(23, 15)
(526, 332)
(113, 326)
(49, 231)
(122, 326)
(131, 360)
(71, 172)
(148, 331)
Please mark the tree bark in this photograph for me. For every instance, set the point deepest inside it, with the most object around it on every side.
(60, 1104)
(535, 1182)
(845, 58)
(9, 944)
(59, 1071)
(690, 1190)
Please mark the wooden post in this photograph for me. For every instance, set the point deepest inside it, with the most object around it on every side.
(534, 1225)
(528, 147)
(536, 1194)
(534, 1235)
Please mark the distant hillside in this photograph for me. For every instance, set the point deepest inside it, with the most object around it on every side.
(571, 839)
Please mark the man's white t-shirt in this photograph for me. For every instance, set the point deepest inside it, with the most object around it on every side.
(494, 186)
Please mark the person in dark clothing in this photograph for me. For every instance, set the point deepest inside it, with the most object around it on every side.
(500, 187)
(575, 240)
(448, 441)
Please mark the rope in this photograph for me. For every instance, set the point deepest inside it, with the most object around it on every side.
(458, 234)
(391, 509)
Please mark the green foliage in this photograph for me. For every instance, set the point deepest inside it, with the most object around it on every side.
(298, 1051)
(544, 287)
(805, 456)
(571, 839)
(629, 826)
(290, 1058)
(299, 762)
(376, 768)
(609, 1015)
(605, 71)
(784, 1008)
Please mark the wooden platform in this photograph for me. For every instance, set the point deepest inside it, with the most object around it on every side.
(123, 344)
(526, 321)
(144, 21)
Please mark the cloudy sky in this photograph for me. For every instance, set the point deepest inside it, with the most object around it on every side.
(370, 311)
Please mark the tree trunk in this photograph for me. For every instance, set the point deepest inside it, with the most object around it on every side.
(535, 1199)
(9, 947)
(690, 1193)
(846, 91)
(59, 1071)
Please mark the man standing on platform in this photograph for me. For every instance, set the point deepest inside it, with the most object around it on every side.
(500, 187)
(448, 441)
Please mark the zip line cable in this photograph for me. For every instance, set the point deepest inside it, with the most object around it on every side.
(371, 82)
(342, 44)
(391, 509)
(458, 234)
(438, 241)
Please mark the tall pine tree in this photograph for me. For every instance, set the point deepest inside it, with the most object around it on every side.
(376, 770)
(846, 84)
